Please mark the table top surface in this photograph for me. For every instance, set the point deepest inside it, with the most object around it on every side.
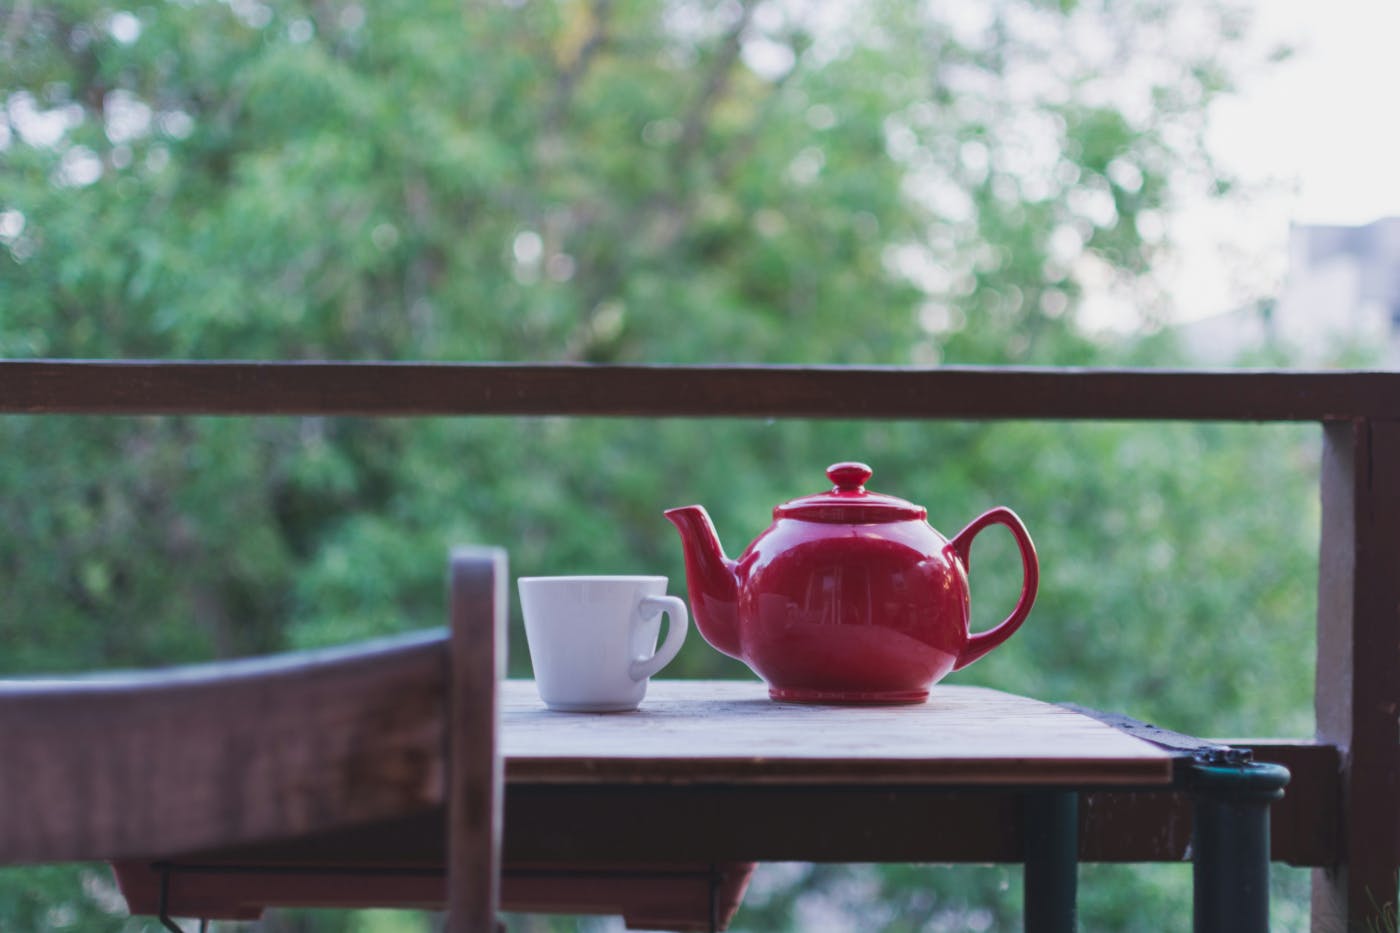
(694, 731)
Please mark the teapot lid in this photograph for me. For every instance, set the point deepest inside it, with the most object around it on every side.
(848, 503)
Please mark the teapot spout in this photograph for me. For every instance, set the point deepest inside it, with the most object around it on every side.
(711, 579)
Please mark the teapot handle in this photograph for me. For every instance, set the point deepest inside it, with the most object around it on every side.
(980, 643)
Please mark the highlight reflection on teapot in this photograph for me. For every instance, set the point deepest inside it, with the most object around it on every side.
(848, 597)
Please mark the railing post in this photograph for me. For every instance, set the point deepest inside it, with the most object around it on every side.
(1358, 668)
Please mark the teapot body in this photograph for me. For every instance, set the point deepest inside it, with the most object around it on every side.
(849, 596)
(851, 613)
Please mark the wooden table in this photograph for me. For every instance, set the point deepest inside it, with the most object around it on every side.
(715, 773)
(720, 771)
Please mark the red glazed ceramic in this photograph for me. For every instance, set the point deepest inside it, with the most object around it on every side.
(849, 596)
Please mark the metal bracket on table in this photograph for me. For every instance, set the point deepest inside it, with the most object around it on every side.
(1202, 751)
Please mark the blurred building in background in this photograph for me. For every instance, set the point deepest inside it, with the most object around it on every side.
(1339, 304)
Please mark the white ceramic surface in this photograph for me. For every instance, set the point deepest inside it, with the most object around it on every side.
(593, 639)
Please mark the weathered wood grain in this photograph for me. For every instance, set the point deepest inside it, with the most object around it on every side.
(708, 731)
(1358, 668)
(477, 653)
(392, 389)
(150, 764)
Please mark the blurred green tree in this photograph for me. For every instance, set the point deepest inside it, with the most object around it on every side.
(620, 180)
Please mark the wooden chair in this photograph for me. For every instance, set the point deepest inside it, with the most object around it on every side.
(144, 768)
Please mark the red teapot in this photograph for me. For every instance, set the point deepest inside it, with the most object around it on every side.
(849, 596)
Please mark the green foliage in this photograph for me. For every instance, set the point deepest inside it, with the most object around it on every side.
(626, 181)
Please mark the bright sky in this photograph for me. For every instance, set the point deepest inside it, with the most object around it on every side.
(1321, 130)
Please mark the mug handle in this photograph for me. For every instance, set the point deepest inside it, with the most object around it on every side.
(647, 608)
(980, 643)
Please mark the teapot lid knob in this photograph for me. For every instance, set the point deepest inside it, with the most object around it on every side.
(849, 476)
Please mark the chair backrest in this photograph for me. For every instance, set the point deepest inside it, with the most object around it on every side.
(478, 599)
(155, 764)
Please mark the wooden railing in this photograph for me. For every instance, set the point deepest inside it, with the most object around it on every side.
(1342, 811)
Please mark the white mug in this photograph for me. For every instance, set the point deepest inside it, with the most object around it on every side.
(593, 639)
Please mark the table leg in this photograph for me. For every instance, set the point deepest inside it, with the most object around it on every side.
(1230, 844)
(1051, 824)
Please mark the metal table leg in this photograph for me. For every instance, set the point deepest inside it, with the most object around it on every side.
(1230, 844)
(1051, 830)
